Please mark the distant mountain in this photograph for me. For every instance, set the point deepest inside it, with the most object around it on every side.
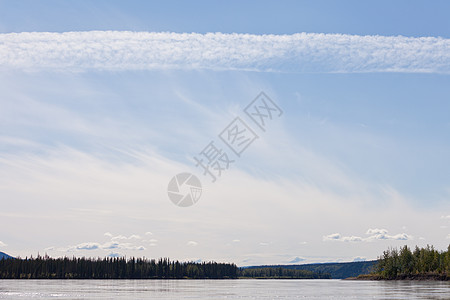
(5, 256)
(336, 270)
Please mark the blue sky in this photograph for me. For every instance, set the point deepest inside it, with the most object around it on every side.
(102, 102)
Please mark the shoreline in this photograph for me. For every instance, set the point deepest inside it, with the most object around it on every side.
(404, 277)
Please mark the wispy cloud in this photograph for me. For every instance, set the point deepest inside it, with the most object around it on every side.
(192, 243)
(302, 52)
(2, 244)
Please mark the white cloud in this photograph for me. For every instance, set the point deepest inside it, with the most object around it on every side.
(135, 236)
(148, 233)
(192, 243)
(338, 237)
(375, 234)
(122, 237)
(382, 236)
(110, 245)
(332, 237)
(351, 239)
(119, 237)
(87, 246)
(359, 259)
(445, 217)
(236, 241)
(376, 231)
(301, 52)
(2, 244)
(114, 255)
(448, 236)
(97, 246)
(296, 260)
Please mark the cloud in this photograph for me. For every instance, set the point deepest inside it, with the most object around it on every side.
(148, 233)
(376, 231)
(332, 237)
(119, 237)
(398, 237)
(375, 234)
(124, 246)
(192, 243)
(114, 255)
(296, 260)
(448, 236)
(110, 245)
(87, 246)
(135, 236)
(301, 52)
(122, 237)
(236, 241)
(97, 246)
(359, 259)
(445, 217)
(3, 244)
(351, 239)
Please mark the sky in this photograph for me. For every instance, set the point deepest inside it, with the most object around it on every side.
(102, 103)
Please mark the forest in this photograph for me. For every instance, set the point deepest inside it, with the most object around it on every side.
(422, 263)
(281, 273)
(136, 268)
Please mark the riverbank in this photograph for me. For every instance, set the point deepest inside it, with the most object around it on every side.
(428, 277)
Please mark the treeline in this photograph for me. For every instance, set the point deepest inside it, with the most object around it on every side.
(136, 268)
(112, 268)
(404, 263)
(282, 273)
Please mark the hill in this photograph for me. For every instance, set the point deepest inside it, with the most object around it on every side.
(336, 270)
(4, 256)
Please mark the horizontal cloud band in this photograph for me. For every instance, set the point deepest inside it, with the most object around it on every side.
(302, 52)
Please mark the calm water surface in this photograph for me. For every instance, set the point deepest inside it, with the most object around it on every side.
(221, 289)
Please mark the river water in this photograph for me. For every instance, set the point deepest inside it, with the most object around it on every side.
(222, 289)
